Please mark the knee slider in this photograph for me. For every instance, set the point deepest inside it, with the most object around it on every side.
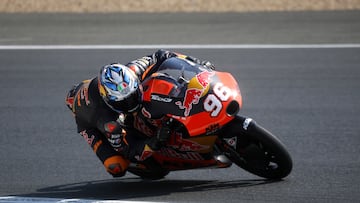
(116, 165)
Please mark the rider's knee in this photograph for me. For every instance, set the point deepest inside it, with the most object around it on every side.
(116, 165)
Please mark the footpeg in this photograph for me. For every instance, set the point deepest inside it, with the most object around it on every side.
(223, 161)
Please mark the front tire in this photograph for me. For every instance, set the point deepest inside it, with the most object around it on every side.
(257, 150)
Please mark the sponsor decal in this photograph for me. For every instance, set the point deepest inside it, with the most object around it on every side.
(192, 96)
(88, 139)
(198, 86)
(146, 153)
(122, 86)
(69, 101)
(110, 126)
(145, 113)
(231, 141)
(181, 155)
(247, 123)
(185, 144)
(83, 94)
(160, 99)
(204, 78)
(212, 128)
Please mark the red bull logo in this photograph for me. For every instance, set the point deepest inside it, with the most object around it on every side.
(147, 152)
(204, 78)
(198, 86)
(185, 144)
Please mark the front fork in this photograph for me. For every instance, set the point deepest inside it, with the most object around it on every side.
(234, 138)
(222, 147)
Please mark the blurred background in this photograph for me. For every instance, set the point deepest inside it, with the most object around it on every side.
(308, 96)
(86, 6)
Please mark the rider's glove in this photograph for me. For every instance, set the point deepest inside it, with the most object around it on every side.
(115, 134)
(162, 135)
(161, 55)
(207, 64)
(115, 140)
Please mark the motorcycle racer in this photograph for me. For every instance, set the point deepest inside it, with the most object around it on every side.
(104, 105)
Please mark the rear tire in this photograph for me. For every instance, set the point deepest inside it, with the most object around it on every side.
(257, 150)
(149, 175)
(150, 170)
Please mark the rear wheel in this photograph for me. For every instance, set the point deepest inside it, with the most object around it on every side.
(149, 175)
(256, 150)
(149, 170)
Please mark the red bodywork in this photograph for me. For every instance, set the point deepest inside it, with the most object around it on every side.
(202, 109)
(198, 123)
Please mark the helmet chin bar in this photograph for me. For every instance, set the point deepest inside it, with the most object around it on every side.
(117, 111)
(122, 111)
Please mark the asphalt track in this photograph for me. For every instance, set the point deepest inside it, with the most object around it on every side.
(309, 98)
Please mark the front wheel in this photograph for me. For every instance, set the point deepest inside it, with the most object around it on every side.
(256, 150)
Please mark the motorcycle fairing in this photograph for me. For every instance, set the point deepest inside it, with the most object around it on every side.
(164, 95)
(160, 94)
(219, 115)
(179, 154)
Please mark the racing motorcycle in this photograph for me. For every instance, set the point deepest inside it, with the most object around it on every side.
(201, 106)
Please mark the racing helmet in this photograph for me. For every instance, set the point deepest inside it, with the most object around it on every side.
(120, 88)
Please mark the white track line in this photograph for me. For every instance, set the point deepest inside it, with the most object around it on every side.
(179, 46)
(16, 199)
